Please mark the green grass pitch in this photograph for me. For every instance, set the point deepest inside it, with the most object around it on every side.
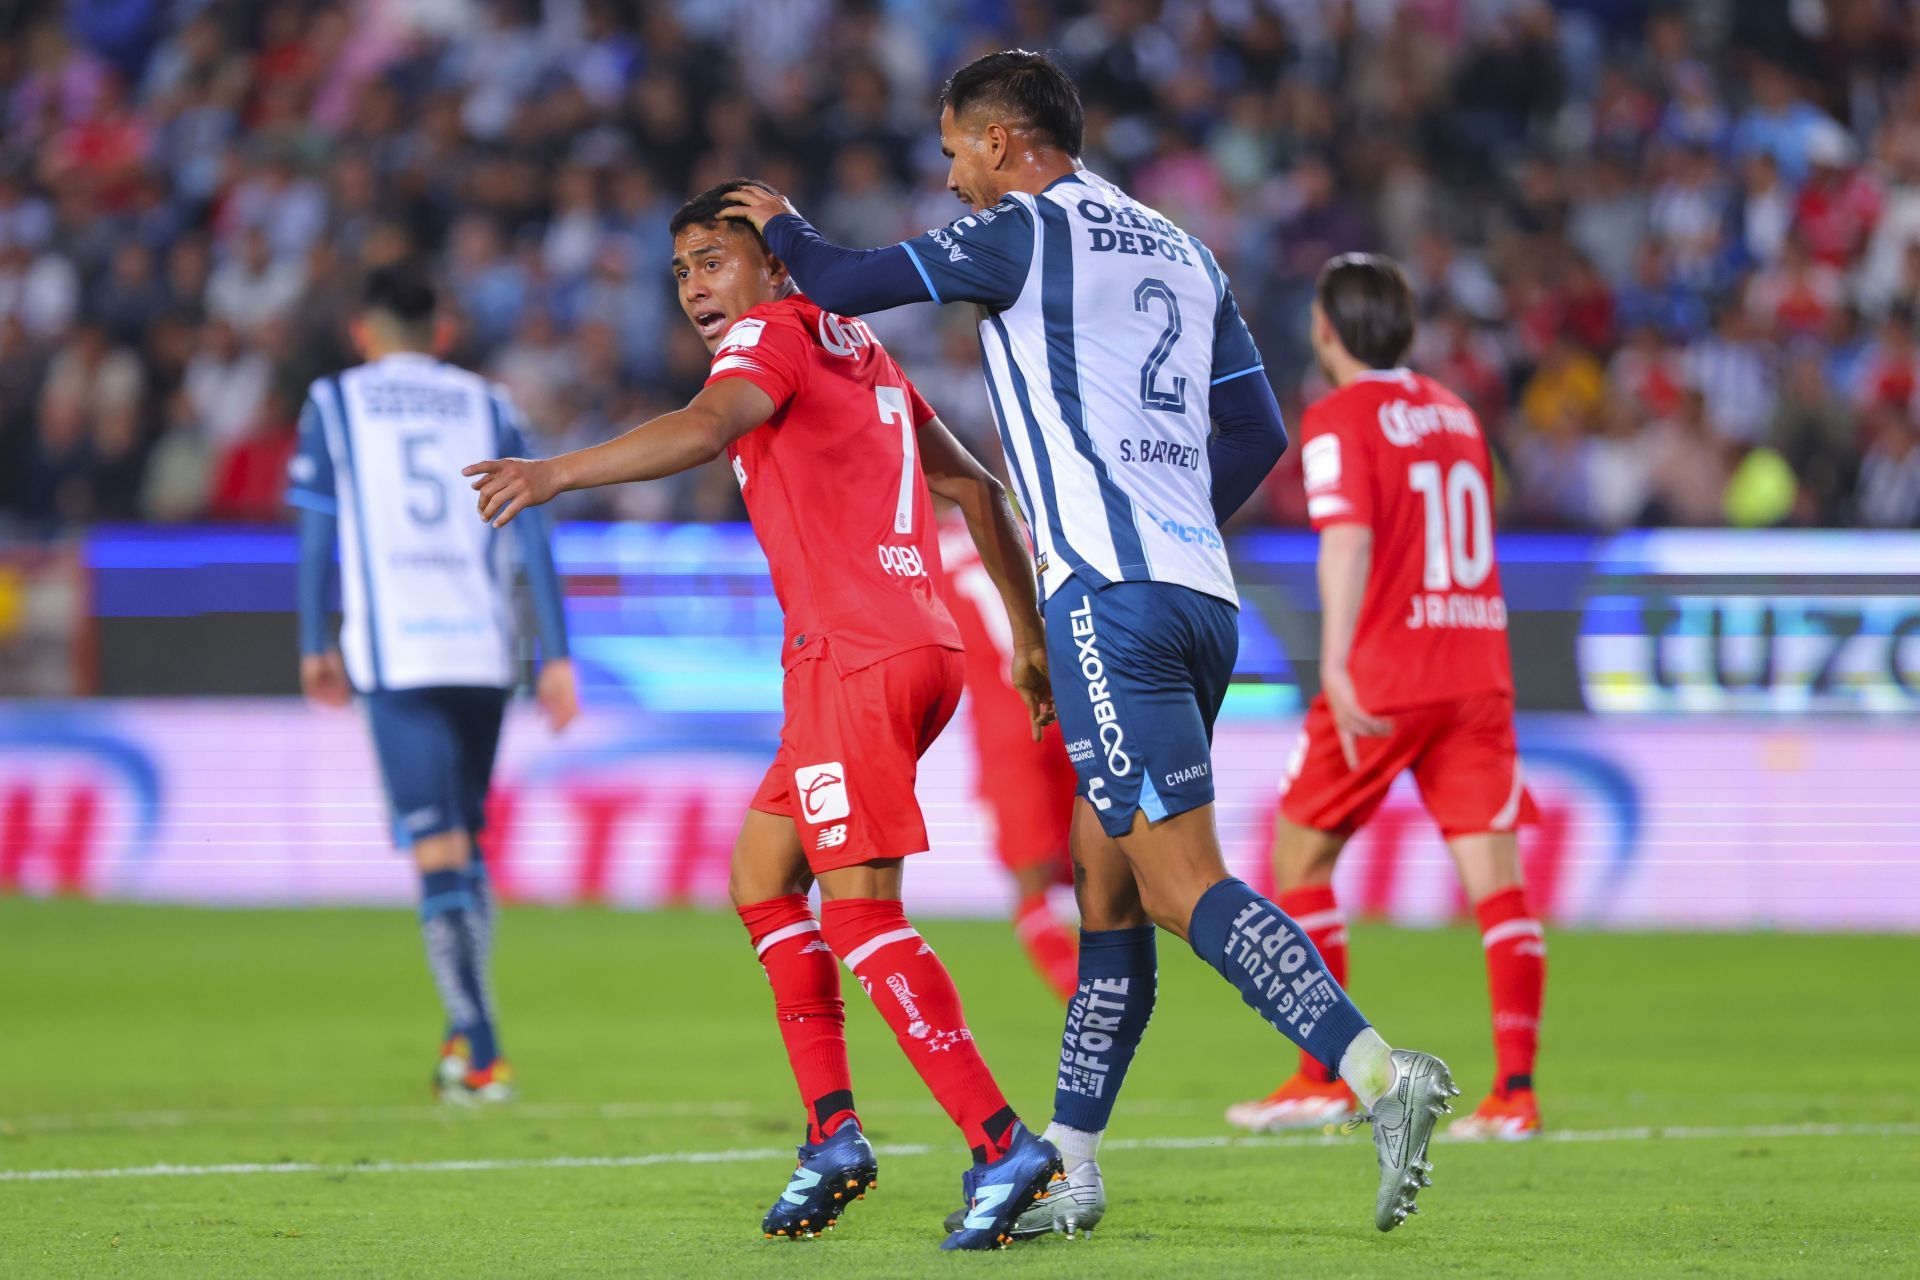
(1731, 1105)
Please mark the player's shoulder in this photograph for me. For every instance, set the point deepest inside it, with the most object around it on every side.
(790, 317)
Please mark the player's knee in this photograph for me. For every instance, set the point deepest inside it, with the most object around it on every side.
(441, 851)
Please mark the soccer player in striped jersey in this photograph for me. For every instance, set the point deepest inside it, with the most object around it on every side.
(1136, 417)
(427, 634)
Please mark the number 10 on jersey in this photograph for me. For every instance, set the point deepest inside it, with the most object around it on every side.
(1459, 524)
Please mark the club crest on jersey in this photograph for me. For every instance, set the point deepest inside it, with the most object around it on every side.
(822, 789)
(842, 336)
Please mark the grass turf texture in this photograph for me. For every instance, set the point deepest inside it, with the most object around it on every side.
(136, 1036)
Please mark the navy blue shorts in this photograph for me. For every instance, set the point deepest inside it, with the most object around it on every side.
(436, 750)
(1139, 672)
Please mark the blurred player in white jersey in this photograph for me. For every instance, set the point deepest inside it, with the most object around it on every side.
(427, 636)
(1414, 673)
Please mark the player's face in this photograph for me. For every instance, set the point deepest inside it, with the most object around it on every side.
(723, 273)
(974, 158)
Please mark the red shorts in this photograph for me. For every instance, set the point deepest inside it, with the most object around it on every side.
(1028, 786)
(1462, 754)
(850, 750)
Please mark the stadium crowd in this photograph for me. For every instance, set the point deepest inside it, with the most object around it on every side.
(1671, 252)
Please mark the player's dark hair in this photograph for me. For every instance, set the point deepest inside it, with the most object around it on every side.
(705, 209)
(402, 290)
(1369, 302)
(1030, 87)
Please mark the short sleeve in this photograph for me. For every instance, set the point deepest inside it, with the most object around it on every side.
(1334, 467)
(1234, 353)
(773, 357)
(983, 257)
(310, 469)
(923, 413)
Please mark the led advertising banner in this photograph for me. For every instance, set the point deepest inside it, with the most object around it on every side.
(1704, 823)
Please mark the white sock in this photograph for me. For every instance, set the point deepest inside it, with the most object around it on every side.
(1077, 1146)
(1367, 1067)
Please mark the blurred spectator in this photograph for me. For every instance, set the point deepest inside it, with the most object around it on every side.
(252, 286)
(1814, 432)
(1617, 216)
(1889, 493)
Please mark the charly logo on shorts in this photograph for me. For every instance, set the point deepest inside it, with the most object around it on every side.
(1113, 738)
(822, 789)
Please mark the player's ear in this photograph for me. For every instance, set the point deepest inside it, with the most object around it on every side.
(443, 336)
(777, 273)
(999, 145)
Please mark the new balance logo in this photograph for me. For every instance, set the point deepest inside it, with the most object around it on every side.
(986, 1202)
(831, 838)
(804, 1180)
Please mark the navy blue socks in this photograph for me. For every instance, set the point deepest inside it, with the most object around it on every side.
(1259, 949)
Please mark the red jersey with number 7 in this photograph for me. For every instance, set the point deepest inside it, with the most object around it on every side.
(833, 485)
(1399, 453)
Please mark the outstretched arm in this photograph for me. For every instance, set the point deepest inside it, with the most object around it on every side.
(982, 257)
(669, 444)
(956, 475)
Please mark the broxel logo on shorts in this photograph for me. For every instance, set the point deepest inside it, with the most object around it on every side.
(822, 789)
(1113, 738)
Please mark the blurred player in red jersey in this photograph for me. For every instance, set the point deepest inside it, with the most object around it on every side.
(1414, 674)
(1028, 786)
(835, 452)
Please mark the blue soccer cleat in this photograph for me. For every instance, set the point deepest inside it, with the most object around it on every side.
(997, 1194)
(830, 1176)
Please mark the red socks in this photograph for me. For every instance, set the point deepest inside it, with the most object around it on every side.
(1314, 909)
(912, 991)
(1516, 949)
(806, 999)
(1050, 946)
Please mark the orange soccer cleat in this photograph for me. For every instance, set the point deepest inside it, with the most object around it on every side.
(1300, 1103)
(1512, 1118)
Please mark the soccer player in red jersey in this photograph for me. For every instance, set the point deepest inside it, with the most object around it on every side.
(1028, 786)
(835, 452)
(1414, 674)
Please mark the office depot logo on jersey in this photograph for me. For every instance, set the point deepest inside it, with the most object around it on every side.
(822, 789)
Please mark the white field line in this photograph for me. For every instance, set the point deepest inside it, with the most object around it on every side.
(894, 1150)
(441, 1114)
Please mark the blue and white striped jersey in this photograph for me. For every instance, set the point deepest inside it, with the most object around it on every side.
(1103, 329)
(425, 584)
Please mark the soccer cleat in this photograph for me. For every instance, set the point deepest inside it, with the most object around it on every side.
(827, 1177)
(1300, 1103)
(997, 1194)
(489, 1087)
(1073, 1207)
(1514, 1118)
(451, 1069)
(1403, 1123)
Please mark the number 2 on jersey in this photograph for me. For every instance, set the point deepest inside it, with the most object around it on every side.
(1152, 394)
(1459, 525)
(893, 408)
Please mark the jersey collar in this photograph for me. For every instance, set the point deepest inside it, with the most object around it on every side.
(1402, 374)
